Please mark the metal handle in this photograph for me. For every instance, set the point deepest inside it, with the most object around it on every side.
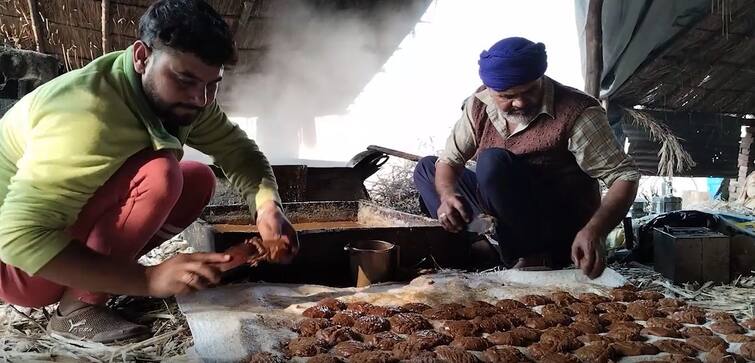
(397, 153)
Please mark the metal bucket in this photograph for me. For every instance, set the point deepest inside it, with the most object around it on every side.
(372, 261)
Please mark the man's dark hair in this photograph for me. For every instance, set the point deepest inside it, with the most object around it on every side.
(191, 26)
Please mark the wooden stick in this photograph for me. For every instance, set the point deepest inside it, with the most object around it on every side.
(29, 318)
(742, 164)
(105, 26)
(36, 25)
(594, 48)
(65, 57)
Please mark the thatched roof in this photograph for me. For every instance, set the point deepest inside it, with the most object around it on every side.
(707, 67)
(72, 30)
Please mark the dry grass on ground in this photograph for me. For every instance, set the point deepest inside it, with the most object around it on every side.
(23, 337)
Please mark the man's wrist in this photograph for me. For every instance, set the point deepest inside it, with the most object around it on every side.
(595, 228)
(447, 194)
(144, 283)
(267, 208)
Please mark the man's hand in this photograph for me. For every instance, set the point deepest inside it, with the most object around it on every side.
(184, 273)
(588, 252)
(279, 237)
(451, 213)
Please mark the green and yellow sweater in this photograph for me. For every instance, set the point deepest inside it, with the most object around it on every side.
(64, 140)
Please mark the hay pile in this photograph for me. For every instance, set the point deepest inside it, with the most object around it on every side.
(737, 297)
(721, 206)
(393, 187)
(23, 337)
(166, 250)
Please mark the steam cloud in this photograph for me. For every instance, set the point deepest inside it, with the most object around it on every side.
(317, 60)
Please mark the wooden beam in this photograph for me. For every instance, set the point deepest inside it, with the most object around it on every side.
(36, 25)
(246, 13)
(594, 47)
(106, 28)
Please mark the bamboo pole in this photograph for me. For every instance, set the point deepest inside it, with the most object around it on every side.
(106, 26)
(594, 48)
(36, 25)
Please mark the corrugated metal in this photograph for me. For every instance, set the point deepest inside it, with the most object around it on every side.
(712, 141)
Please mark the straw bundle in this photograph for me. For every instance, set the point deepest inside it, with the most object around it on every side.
(673, 157)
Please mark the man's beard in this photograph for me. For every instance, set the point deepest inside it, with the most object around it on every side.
(520, 116)
(167, 111)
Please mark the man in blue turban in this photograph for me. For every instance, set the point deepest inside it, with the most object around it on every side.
(540, 149)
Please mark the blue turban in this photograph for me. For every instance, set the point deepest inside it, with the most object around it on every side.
(512, 62)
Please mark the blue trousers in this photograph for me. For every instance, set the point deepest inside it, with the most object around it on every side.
(503, 187)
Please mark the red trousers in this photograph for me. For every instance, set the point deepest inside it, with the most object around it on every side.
(151, 198)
